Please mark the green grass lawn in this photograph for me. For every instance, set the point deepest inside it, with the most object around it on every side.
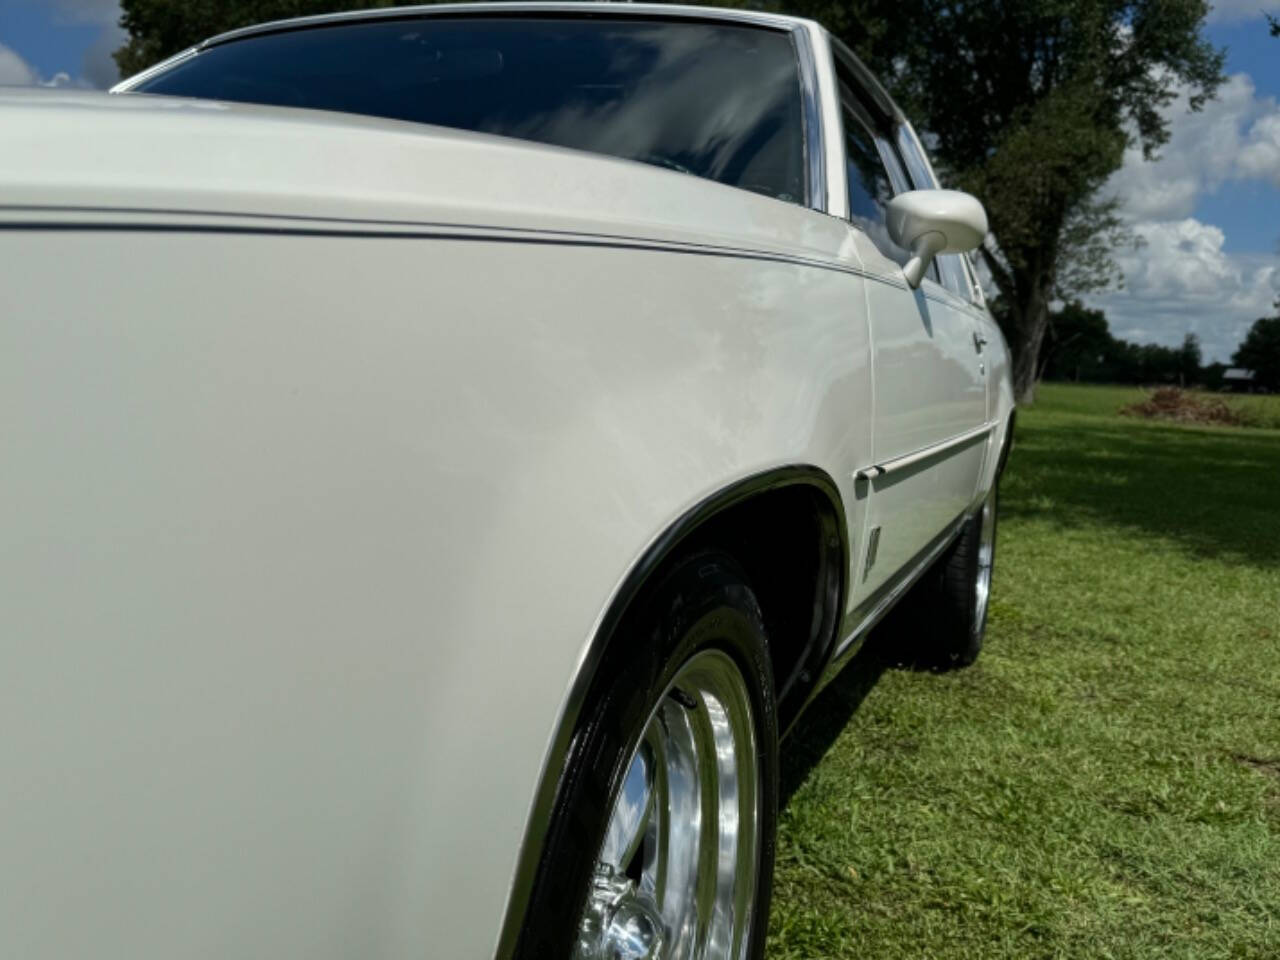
(1105, 781)
(1258, 410)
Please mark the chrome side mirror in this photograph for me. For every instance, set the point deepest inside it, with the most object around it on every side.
(930, 222)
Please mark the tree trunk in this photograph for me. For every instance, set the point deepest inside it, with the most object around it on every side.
(1025, 288)
(1032, 323)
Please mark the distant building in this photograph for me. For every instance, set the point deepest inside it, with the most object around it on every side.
(1238, 379)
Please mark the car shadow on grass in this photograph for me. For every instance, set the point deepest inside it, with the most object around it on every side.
(1215, 492)
(828, 715)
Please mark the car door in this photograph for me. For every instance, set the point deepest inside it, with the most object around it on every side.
(958, 274)
(929, 389)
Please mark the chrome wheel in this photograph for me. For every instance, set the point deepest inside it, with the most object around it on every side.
(986, 560)
(676, 875)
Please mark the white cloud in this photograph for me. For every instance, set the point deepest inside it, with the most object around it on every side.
(1227, 140)
(1260, 155)
(97, 67)
(1181, 281)
(14, 71)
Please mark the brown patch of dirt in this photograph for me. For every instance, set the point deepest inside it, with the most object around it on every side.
(1270, 768)
(1182, 406)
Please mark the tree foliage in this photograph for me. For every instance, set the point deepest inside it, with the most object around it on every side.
(160, 28)
(1260, 351)
(1079, 346)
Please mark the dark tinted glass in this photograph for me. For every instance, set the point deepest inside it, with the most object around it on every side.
(871, 184)
(718, 101)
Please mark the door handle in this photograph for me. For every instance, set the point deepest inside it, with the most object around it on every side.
(979, 341)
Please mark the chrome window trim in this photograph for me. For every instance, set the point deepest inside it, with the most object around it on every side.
(771, 20)
(128, 83)
(976, 295)
(837, 190)
(875, 471)
(816, 191)
(877, 96)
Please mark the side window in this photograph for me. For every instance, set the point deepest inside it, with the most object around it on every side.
(874, 174)
(948, 266)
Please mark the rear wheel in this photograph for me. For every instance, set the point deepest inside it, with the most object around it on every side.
(662, 843)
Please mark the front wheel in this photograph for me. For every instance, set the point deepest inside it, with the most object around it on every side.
(963, 589)
(662, 844)
(943, 620)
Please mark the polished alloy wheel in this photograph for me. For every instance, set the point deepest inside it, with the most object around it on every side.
(676, 875)
(986, 560)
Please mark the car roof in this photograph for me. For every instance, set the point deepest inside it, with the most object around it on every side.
(581, 8)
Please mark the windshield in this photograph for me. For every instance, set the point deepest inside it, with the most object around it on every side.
(717, 100)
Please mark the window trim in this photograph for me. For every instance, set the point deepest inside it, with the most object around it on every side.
(881, 127)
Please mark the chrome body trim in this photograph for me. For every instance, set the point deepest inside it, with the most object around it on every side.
(158, 220)
(924, 453)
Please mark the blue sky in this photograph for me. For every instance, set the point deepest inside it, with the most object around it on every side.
(1208, 209)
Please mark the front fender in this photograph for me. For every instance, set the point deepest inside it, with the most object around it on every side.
(305, 538)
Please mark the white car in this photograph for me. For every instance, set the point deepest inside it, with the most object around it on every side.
(443, 451)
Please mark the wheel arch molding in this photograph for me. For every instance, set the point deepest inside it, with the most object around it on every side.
(762, 520)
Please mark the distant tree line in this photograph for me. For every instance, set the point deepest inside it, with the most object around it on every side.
(1079, 346)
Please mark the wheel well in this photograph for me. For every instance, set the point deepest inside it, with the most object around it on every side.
(790, 543)
(786, 528)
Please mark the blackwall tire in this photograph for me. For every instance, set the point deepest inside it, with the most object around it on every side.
(941, 623)
(688, 677)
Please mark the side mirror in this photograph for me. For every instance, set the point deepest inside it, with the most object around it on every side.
(930, 222)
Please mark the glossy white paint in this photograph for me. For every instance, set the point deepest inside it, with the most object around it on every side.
(929, 222)
(326, 442)
(957, 217)
(929, 387)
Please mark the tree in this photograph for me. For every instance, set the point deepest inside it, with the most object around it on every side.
(1260, 351)
(1274, 25)
(1079, 346)
(1076, 339)
(160, 28)
(1189, 359)
(1030, 106)
(1211, 376)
